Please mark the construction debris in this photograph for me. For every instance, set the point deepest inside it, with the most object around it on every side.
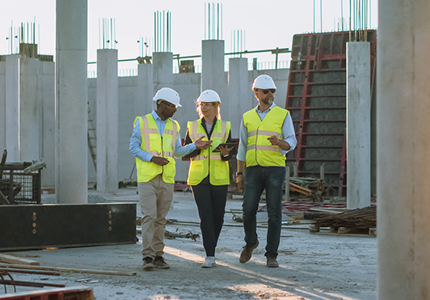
(30, 267)
(188, 235)
(17, 260)
(359, 220)
(20, 181)
(311, 187)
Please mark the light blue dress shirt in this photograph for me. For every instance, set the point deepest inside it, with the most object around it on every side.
(135, 141)
(287, 131)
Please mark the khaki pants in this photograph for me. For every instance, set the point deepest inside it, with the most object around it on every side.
(155, 198)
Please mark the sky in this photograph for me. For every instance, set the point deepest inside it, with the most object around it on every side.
(266, 24)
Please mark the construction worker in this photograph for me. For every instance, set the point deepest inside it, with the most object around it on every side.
(154, 142)
(266, 135)
(209, 175)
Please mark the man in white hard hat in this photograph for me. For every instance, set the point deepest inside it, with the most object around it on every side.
(155, 142)
(266, 135)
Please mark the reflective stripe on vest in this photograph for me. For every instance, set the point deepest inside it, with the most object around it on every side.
(153, 143)
(202, 165)
(259, 150)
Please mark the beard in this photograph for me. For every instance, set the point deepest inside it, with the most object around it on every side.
(268, 100)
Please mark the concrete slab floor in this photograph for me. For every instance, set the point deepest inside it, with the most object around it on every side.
(311, 266)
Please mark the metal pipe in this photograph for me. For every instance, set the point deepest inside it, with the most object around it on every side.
(221, 23)
(204, 23)
(281, 50)
(29, 283)
(341, 9)
(321, 14)
(314, 18)
(30, 272)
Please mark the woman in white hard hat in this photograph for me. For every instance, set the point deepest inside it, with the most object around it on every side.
(209, 175)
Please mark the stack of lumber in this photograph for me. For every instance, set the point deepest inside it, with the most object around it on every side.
(360, 218)
(309, 187)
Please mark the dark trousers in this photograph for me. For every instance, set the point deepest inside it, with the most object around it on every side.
(257, 179)
(210, 200)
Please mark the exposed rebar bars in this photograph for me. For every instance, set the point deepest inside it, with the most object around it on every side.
(359, 17)
(162, 31)
(107, 34)
(213, 21)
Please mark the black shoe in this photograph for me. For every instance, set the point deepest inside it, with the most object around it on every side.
(247, 253)
(148, 264)
(160, 263)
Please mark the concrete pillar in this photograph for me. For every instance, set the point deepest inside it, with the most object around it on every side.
(145, 90)
(30, 121)
(358, 124)
(71, 153)
(238, 90)
(2, 104)
(213, 75)
(162, 70)
(12, 104)
(47, 77)
(107, 120)
(403, 161)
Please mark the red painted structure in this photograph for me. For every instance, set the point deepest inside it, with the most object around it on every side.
(316, 98)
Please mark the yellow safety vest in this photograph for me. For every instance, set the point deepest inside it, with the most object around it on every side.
(260, 151)
(208, 162)
(153, 143)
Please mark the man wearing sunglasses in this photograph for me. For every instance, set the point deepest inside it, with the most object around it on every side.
(266, 135)
(155, 143)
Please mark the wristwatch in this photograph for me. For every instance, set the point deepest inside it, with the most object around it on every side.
(239, 173)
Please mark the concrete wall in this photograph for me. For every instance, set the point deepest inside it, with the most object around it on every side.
(36, 96)
(46, 79)
(2, 105)
(188, 86)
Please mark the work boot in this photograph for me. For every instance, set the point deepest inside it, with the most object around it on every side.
(247, 253)
(272, 262)
(159, 263)
(148, 264)
(209, 262)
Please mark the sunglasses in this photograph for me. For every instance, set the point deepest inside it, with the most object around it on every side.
(171, 105)
(269, 90)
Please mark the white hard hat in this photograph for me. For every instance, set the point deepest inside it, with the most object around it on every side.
(169, 95)
(209, 96)
(264, 82)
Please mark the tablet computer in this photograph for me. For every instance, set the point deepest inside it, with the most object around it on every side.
(231, 144)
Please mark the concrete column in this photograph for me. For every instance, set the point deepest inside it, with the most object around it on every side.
(12, 104)
(162, 70)
(403, 161)
(2, 105)
(47, 77)
(358, 124)
(238, 90)
(71, 153)
(30, 126)
(145, 90)
(107, 120)
(213, 75)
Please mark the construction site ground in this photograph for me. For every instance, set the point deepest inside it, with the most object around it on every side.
(312, 266)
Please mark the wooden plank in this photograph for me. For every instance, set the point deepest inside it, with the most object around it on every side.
(77, 292)
(17, 260)
(68, 270)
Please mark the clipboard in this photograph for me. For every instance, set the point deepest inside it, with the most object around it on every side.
(231, 144)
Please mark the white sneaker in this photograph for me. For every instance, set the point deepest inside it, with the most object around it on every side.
(209, 262)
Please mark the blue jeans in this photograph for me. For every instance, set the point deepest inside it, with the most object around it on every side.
(258, 178)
